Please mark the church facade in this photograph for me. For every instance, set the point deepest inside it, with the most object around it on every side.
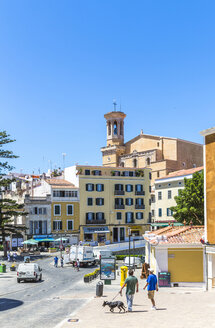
(161, 154)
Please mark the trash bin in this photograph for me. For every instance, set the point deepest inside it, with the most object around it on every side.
(99, 288)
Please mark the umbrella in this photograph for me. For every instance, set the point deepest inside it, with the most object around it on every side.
(30, 242)
(45, 239)
(63, 239)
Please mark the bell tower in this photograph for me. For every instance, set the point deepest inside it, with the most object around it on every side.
(115, 138)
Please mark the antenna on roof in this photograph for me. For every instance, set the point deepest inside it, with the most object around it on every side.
(114, 104)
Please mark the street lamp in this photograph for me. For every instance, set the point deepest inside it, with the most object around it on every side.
(129, 249)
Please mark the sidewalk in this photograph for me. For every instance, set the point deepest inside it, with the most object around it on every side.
(176, 308)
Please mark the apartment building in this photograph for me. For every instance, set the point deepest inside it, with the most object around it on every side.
(111, 201)
(166, 189)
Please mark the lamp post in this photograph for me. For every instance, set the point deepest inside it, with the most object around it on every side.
(129, 245)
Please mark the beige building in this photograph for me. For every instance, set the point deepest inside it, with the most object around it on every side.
(166, 189)
(111, 201)
(162, 154)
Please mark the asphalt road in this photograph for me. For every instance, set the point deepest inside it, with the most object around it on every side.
(45, 303)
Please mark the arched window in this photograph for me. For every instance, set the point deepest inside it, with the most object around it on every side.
(109, 128)
(148, 161)
(121, 128)
(115, 128)
(135, 162)
(122, 164)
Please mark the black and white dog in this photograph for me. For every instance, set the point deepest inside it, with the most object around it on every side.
(112, 305)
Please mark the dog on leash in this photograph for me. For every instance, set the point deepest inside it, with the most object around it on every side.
(120, 305)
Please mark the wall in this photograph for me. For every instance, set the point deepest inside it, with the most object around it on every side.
(64, 217)
(185, 265)
(189, 152)
(162, 259)
(210, 186)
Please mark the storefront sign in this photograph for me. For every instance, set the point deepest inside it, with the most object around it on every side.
(107, 269)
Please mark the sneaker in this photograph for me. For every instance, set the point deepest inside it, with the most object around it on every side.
(154, 308)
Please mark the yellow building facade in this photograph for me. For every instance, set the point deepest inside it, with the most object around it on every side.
(112, 200)
(162, 154)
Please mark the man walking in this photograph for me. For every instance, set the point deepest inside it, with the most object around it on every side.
(131, 282)
(55, 261)
(152, 285)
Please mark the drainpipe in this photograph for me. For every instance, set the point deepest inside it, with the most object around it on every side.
(205, 269)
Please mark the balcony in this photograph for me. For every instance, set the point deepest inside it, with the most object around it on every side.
(140, 193)
(96, 221)
(140, 207)
(119, 192)
(128, 221)
(119, 207)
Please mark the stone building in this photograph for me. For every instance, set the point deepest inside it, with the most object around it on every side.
(162, 154)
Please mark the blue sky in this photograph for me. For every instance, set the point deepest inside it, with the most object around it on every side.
(63, 62)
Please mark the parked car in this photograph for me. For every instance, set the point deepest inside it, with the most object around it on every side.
(134, 262)
(29, 271)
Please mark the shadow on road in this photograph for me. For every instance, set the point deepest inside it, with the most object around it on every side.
(7, 304)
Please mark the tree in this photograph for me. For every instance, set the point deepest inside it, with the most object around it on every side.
(190, 201)
(8, 208)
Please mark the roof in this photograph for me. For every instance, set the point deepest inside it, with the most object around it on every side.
(182, 173)
(187, 235)
(60, 183)
(207, 132)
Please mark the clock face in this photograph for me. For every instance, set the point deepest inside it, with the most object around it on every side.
(108, 159)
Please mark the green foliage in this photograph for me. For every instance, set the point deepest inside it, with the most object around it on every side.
(122, 257)
(190, 201)
(8, 207)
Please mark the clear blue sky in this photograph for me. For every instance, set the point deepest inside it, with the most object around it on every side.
(62, 63)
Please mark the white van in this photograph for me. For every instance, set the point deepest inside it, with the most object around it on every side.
(29, 271)
(134, 262)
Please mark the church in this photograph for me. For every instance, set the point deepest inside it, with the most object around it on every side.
(161, 154)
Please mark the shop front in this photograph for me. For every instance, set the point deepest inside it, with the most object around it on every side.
(99, 234)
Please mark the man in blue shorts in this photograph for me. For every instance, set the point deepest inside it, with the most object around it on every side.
(152, 285)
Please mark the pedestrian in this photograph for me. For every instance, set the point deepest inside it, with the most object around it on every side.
(56, 261)
(61, 262)
(131, 282)
(8, 256)
(77, 264)
(14, 256)
(152, 285)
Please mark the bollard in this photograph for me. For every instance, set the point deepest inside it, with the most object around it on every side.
(124, 271)
(99, 289)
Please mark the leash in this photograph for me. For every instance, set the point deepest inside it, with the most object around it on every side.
(115, 296)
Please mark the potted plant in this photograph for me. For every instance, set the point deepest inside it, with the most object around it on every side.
(87, 278)
(2, 267)
(13, 267)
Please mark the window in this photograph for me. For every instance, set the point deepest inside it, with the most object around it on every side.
(135, 162)
(159, 195)
(35, 210)
(118, 187)
(150, 189)
(99, 201)
(119, 216)
(129, 217)
(97, 172)
(118, 201)
(153, 212)
(169, 212)
(69, 224)
(40, 210)
(89, 201)
(139, 187)
(57, 209)
(150, 216)
(169, 194)
(99, 187)
(150, 176)
(125, 173)
(115, 128)
(87, 172)
(109, 128)
(74, 193)
(139, 216)
(150, 201)
(157, 144)
(179, 183)
(100, 216)
(57, 225)
(160, 212)
(139, 201)
(169, 184)
(148, 161)
(69, 209)
(129, 201)
(158, 174)
(129, 188)
(44, 210)
(89, 187)
(90, 216)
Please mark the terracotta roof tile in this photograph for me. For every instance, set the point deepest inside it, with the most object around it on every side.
(60, 183)
(182, 172)
(178, 235)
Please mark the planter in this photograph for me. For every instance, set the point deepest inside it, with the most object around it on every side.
(3, 268)
(52, 250)
(86, 279)
(12, 268)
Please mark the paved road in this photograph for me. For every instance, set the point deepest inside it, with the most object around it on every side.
(41, 304)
